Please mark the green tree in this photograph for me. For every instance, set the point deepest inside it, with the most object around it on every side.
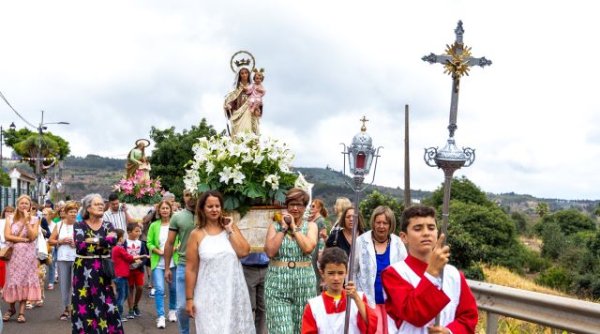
(570, 221)
(4, 178)
(173, 151)
(553, 241)
(375, 199)
(520, 221)
(463, 190)
(27, 144)
(480, 233)
(542, 209)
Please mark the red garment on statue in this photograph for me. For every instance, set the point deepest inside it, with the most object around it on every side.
(309, 324)
(419, 305)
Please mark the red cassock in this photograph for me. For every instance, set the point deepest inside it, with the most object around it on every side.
(414, 298)
(323, 316)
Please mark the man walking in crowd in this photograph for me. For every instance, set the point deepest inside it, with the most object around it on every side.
(181, 225)
(117, 213)
(255, 270)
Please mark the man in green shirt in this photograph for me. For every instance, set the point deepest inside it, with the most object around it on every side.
(181, 225)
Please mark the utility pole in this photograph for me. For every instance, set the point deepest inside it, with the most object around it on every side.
(407, 199)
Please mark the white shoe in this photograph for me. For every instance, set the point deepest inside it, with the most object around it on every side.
(160, 322)
(172, 316)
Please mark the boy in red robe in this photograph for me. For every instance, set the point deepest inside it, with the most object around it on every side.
(414, 289)
(326, 314)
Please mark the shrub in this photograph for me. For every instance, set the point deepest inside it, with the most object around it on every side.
(555, 277)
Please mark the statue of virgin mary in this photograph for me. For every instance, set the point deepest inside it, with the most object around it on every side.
(237, 106)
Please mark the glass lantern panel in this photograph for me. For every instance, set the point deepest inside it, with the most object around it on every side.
(360, 160)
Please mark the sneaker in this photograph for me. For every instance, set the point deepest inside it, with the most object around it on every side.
(131, 314)
(123, 319)
(136, 311)
(50, 286)
(152, 292)
(172, 316)
(160, 322)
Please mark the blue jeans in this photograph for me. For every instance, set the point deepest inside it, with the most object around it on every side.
(158, 281)
(122, 290)
(183, 319)
(51, 272)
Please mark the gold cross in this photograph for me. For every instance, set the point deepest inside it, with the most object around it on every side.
(364, 120)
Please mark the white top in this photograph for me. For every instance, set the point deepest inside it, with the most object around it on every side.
(2, 238)
(134, 247)
(162, 241)
(451, 287)
(333, 323)
(65, 252)
(221, 284)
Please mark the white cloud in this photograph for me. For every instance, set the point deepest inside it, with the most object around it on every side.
(113, 69)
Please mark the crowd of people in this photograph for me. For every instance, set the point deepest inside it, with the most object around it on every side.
(197, 257)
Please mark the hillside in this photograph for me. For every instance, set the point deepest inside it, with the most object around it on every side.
(84, 175)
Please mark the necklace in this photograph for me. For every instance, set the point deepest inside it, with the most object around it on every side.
(381, 242)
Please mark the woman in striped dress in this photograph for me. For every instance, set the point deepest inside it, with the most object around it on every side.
(290, 280)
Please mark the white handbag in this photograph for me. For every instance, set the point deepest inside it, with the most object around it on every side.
(42, 246)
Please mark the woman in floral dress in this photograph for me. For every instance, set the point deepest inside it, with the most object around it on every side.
(290, 280)
(22, 281)
(93, 299)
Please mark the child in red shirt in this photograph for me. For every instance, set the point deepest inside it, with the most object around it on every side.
(326, 314)
(122, 260)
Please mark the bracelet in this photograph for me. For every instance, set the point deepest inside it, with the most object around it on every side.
(188, 298)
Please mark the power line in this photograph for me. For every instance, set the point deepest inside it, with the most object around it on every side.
(16, 112)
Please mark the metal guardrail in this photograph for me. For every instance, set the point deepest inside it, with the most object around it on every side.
(572, 315)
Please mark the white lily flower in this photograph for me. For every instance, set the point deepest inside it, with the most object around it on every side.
(226, 175)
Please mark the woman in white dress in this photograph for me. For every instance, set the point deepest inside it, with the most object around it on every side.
(215, 288)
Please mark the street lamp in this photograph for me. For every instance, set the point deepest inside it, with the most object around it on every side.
(360, 157)
(38, 161)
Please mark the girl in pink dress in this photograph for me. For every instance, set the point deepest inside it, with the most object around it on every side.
(22, 283)
(256, 91)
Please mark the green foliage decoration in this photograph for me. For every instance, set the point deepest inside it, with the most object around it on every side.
(172, 151)
(246, 169)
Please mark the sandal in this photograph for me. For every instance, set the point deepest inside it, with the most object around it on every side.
(21, 318)
(64, 315)
(8, 314)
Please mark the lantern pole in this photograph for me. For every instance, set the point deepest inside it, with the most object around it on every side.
(360, 157)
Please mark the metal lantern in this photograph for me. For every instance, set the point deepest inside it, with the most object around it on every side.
(360, 157)
(361, 153)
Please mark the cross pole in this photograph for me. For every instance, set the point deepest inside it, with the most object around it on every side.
(457, 62)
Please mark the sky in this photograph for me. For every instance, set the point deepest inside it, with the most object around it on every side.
(114, 69)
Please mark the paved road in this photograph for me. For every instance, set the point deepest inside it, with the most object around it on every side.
(44, 320)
